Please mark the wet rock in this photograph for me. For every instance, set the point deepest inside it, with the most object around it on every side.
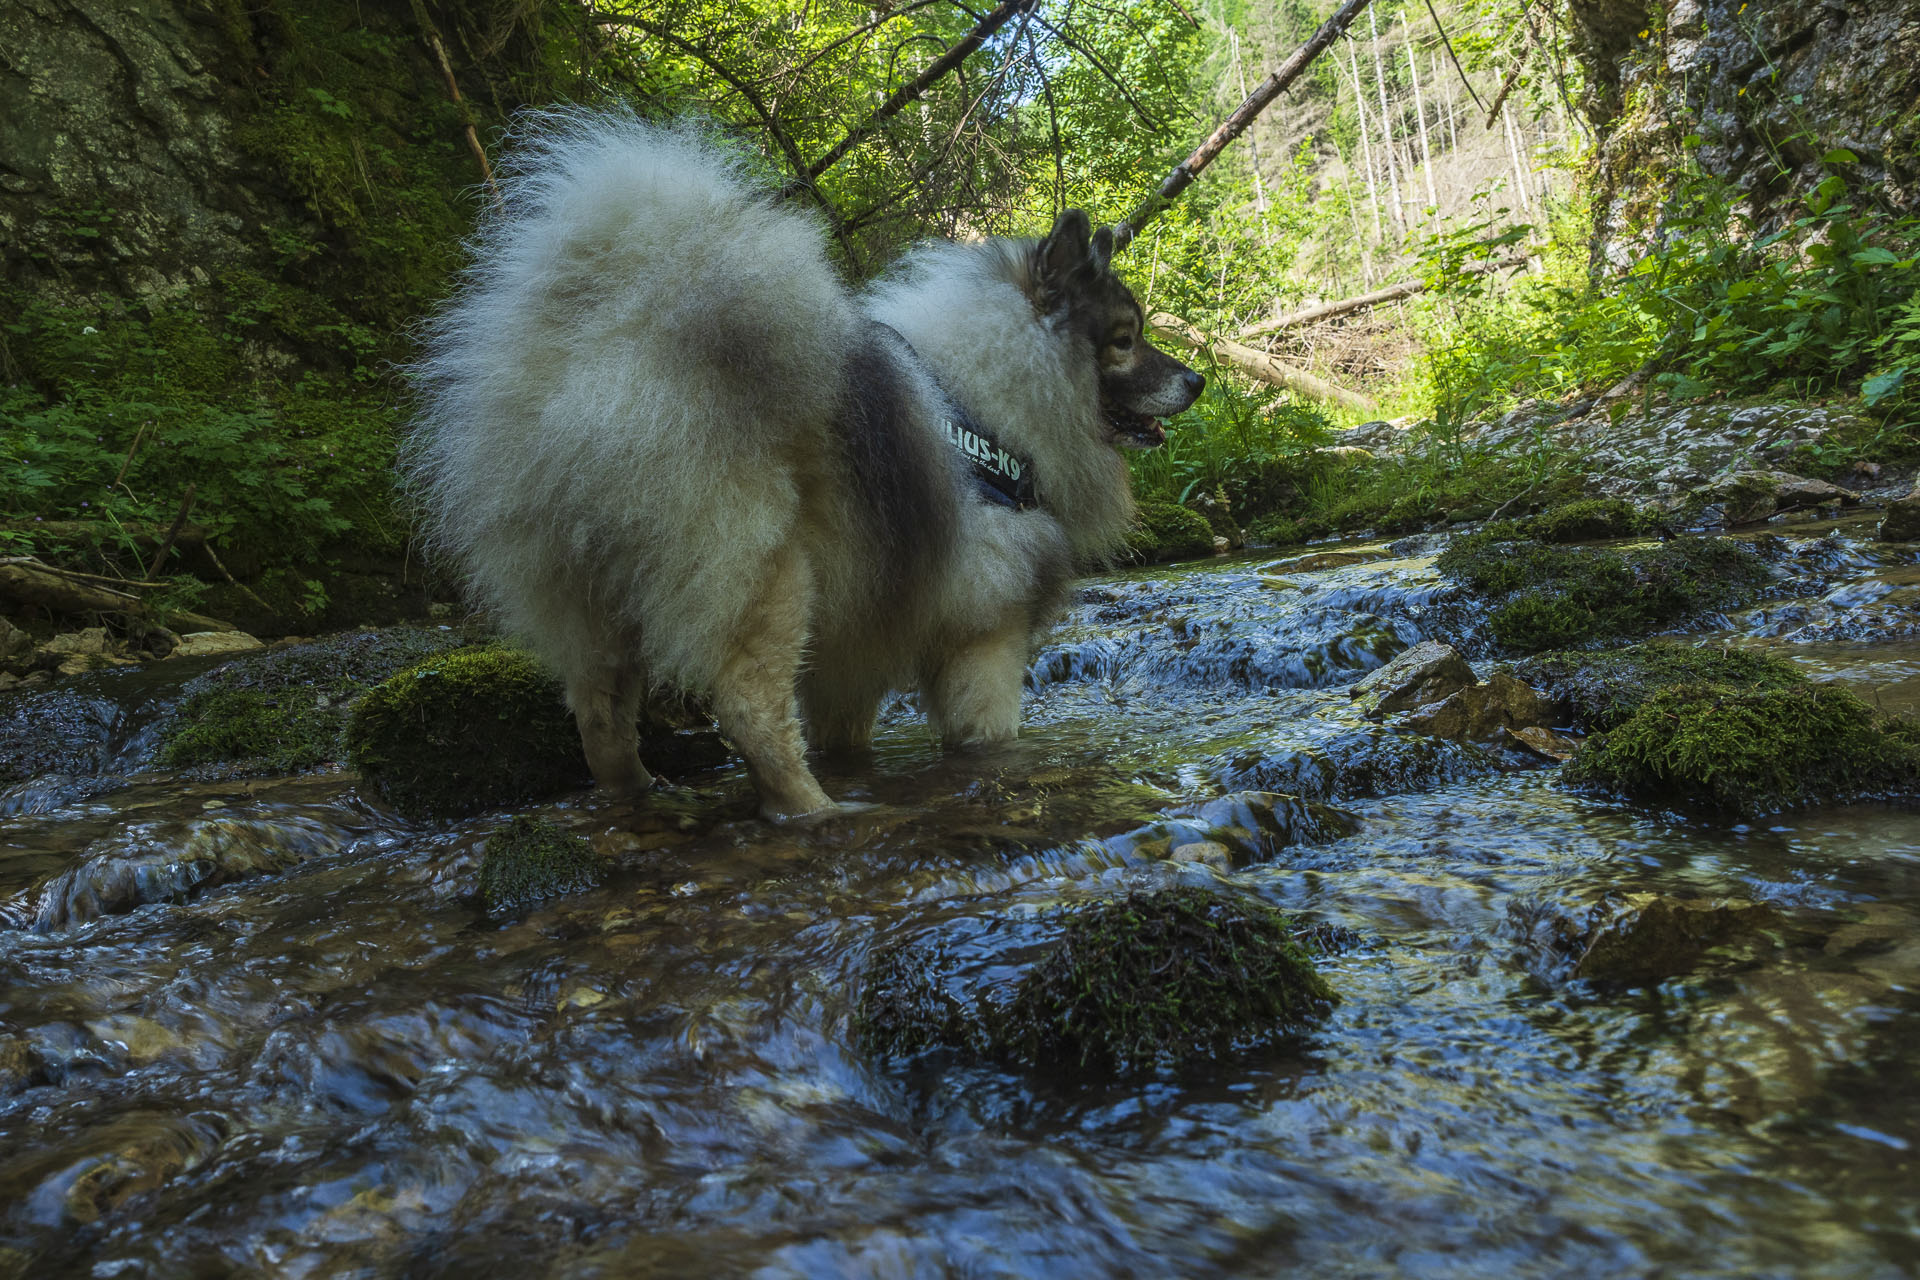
(1168, 531)
(15, 645)
(1488, 713)
(284, 710)
(1245, 826)
(1546, 743)
(166, 862)
(1600, 690)
(1315, 561)
(1648, 938)
(1752, 753)
(56, 731)
(1902, 521)
(1357, 764)
(207, 644)
(1427, 673)
(1749, 497)
(528, 861)
(466, 731)
(1155, 980)
(1565, 597)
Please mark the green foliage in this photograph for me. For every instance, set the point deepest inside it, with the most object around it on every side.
(466, 731)
(1229, 432)
(528, 861)
(1752, 752)
(1568, 597)
(1601, 690)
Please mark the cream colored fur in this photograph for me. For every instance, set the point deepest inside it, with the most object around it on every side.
(627, 444)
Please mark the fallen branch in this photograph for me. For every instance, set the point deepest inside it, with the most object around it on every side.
(1256, 364)
(431, 35)
(173, 531)
(1513, 77)
(1235, 124)
(66, 591)
(1391, 293)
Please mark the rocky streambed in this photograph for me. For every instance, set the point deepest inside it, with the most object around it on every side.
(253, 1021)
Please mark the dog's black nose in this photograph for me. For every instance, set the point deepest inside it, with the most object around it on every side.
(1195, 384)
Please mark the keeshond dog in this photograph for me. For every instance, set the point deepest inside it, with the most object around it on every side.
(667, 446)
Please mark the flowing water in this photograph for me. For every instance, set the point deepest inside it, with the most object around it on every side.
(261, 1027)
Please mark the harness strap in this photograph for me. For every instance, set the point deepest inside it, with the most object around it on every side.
(1002, 476)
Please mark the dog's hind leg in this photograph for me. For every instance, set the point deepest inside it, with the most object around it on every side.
(754, 692)
(839, 707)
(606, 706)
(974, 696)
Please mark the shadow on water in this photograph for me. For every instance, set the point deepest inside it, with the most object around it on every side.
(263, 1026)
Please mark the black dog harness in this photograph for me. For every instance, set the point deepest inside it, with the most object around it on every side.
(1003, 476)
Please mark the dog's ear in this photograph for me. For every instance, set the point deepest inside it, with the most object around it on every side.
(1102, 248)
(1060, 256)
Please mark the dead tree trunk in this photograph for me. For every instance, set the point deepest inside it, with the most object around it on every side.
(1257, 364)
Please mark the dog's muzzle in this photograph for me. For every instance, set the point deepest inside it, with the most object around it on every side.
(1133, 429)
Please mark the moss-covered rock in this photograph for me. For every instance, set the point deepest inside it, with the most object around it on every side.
(285, 710)
(1597, 691)
(1168, 531)
(1276, 531)
(1587, 520)
(465, 731)
(1152, 981)
(528, 861)
(1752, 753)
(1548, 597)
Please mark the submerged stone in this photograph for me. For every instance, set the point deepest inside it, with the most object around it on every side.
(465, 731)
(1752, 752)
(1490, 712)
(1649, 938)
(1568, 597)
(528, 861)
(1152, 981)
(1244, 826)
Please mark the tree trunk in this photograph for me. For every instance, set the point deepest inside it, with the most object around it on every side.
(1257, 364)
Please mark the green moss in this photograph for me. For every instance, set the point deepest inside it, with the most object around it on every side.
(1169, 531)
(466, 731)
(1598, 691)
(1276, 531)
(1565, 597)
(284, 710)
(1164, 978)
(1751, 753)
(1155, 980)
(1588, 520)
(528, 861)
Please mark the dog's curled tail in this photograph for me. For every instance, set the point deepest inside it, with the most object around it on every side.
(637, 308)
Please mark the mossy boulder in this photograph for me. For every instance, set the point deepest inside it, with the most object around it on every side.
(528, 861)
(1548, 597)
(285, 710)
(1752, 752)
(1168, 531)
(1153, 981)
(1597, 691)
(1587, 520)
(464, 731)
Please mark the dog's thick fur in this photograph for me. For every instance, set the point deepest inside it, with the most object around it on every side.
(668, 447)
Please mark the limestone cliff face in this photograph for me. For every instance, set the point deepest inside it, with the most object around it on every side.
(118, 168)
(1769, 86)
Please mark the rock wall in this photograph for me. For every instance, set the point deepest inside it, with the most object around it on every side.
(1770, 87)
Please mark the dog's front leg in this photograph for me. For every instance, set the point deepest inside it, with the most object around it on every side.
(974, 696)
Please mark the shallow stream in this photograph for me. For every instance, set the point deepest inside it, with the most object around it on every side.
(336, 1065)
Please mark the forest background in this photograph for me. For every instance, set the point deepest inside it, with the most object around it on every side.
(222, 218)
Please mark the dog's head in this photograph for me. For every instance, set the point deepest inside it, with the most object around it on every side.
(1074, 283)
